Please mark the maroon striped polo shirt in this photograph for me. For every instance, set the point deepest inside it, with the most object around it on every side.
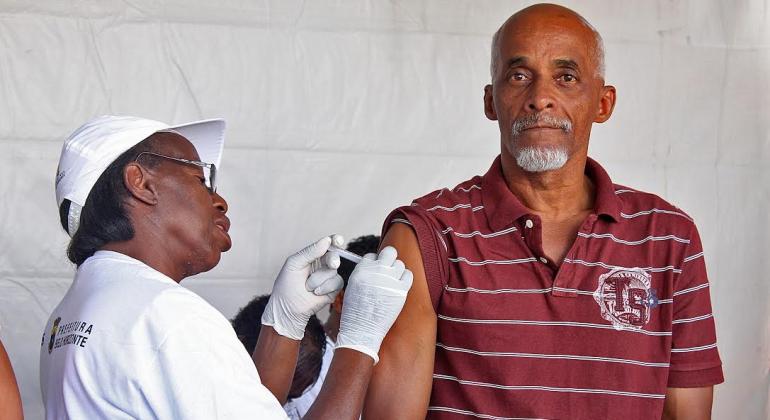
(626, 315)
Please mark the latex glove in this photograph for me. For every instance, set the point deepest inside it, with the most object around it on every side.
(307, 282)
(374, 297)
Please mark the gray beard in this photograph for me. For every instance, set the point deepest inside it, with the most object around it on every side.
(541, 159)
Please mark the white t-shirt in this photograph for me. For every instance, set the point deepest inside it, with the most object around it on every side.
(298, 407)
(128, 342)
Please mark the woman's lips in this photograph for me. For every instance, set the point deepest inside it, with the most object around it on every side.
(224, 225)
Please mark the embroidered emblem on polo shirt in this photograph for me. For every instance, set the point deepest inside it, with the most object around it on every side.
(625, 298)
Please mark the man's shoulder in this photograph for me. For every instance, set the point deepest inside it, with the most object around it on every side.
(638, 204)
(461, 195)
(440, 207)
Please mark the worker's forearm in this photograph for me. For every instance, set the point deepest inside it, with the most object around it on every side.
(343, 391)
(275, 357)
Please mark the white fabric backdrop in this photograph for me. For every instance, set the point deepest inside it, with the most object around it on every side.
(340, 110)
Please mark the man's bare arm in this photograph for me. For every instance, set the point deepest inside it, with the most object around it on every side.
(688, 403)
(10, 400)
(401, 382)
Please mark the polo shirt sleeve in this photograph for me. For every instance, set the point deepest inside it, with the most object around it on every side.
(695, 360)
(433, 249)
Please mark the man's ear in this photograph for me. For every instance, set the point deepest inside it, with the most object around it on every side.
(139, 183)
(606, 104)
(489, 103)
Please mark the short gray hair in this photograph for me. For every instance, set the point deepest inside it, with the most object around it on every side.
(598, 56)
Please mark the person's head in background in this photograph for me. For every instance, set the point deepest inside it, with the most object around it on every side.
(248, 323)
(361, 246)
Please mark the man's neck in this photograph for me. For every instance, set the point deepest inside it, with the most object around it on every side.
(557, 194)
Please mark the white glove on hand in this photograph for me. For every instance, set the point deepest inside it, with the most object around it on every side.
(374, 297)
(301, 289)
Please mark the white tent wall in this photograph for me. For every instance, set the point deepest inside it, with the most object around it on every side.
(338, 111)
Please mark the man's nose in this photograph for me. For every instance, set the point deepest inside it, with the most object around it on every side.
(219, 202)
(540, 95)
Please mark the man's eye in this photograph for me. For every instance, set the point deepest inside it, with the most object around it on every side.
(518, 77)
(568, 78)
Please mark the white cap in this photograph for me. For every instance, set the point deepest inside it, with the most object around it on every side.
(96, 144)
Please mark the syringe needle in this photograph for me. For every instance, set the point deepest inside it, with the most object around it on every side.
(355, 258)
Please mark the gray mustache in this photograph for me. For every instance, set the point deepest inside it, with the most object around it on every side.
(530, 121)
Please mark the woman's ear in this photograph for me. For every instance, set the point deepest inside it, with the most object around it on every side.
(140, 183)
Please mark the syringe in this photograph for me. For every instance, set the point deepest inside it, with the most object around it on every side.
(355, 258)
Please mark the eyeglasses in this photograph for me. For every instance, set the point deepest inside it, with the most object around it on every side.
(210, 177)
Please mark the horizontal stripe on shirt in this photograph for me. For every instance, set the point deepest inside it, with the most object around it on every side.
(590, 293)
(617, 267)
(551, 324)
(478, 415)
(549, 388)
(531, 291)
(552, 356)
(691, 289)
(650, 211)
(637, 242)
(457, 206)
(404, 221)
(693, 319)
(477, 233)
(693, 257)
(691, 349)
(485, 262)
(468, 189)
(566, 260)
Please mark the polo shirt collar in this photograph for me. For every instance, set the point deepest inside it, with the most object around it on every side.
(503, 208)
(607, 202)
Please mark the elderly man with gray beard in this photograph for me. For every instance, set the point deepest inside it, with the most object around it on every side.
(541, 289)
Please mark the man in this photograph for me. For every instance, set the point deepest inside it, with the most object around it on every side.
(543, 290)
(139, 200)
(311, 360)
